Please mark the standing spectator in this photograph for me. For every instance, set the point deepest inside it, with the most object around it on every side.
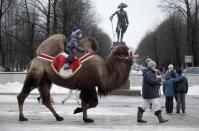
(150, 93)
(168, 89)
(181, 88)
(171, 69)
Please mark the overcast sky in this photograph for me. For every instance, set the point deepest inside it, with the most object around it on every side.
(144, 15)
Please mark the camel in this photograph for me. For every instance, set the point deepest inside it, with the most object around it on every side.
(95, 72)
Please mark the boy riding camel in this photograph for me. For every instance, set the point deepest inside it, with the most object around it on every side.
(73, 44)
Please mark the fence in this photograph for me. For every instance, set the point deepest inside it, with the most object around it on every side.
(135, 79)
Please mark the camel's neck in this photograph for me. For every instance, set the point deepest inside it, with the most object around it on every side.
(117, 75)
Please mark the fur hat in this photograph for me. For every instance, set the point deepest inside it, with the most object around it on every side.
(150, 63)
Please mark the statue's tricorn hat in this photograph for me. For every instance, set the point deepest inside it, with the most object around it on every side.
(122, 5)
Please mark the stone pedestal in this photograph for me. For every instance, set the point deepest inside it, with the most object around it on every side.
(125, 90)
(118, 43)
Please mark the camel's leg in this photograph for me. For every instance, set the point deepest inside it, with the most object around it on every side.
(29, 82)
(85, 107)
(51, 99)
(89, 100)
(45, 93)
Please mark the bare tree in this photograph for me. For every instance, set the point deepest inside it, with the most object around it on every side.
(166, 43)
(24, 24)
(4, 6)
(54, 17)
(189, 10)
(103, 40)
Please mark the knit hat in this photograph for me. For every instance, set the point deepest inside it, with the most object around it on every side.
(76, 32)
(150, 63)
(170, 67)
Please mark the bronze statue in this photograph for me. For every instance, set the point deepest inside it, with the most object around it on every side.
(122, 22)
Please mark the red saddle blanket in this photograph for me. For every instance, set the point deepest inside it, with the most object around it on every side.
(58, 62)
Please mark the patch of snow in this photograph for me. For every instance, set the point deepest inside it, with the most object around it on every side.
(136, 72)
(1, 68)
(15, 87)
(194, 90)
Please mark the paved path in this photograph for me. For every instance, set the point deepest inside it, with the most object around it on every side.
(117, 113)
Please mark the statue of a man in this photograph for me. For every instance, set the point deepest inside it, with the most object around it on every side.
(122, 22)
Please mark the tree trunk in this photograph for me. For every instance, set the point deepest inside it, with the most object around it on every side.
(3, 60)
(48, 20)
(54, 17)
(194, 34)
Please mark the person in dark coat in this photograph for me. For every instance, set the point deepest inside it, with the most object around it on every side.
(168, 89)
(181, 88)
(150, 93)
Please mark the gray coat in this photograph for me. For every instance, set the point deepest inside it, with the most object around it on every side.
(150, 85)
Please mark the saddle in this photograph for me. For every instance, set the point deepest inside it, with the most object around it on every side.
(57, 63)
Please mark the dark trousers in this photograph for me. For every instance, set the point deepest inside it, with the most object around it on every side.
(180, 102)
(70, 55)
(169, 104)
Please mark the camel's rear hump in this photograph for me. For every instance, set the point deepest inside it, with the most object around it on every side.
(53, 45)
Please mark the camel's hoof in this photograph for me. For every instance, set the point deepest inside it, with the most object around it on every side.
(88, 120)
(22, 118)
(59, 118)
(77, 110)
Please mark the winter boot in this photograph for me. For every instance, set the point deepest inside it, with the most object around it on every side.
(159, 116)
(139, 115)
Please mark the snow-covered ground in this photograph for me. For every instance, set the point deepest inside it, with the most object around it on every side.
(113, 113)
(16, 87)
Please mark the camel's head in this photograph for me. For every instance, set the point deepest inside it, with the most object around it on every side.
(90, 44)
(119, 64)
(122, 54)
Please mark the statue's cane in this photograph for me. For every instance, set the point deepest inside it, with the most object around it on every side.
(113, 31)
